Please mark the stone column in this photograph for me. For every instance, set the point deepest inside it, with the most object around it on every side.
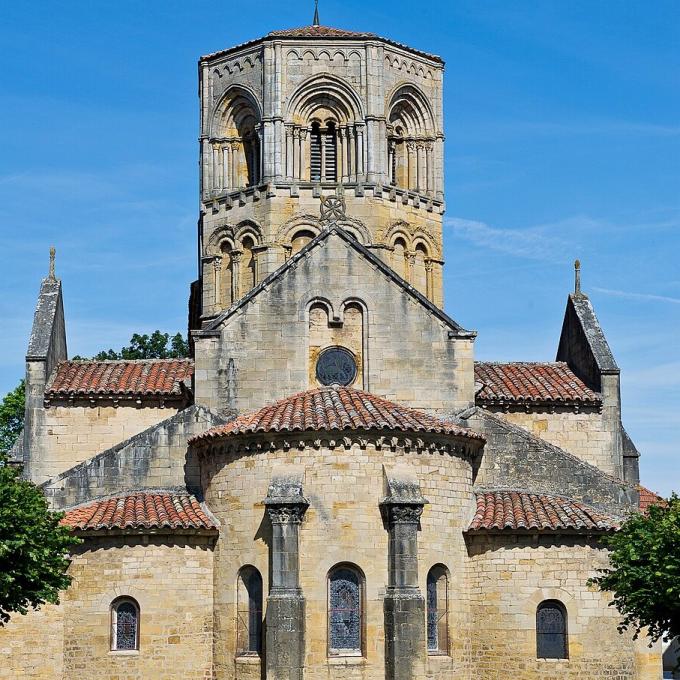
(286, 506)
(217, 263)
(351, 155)
(411, 172)
(390, 162)
(429, 169)
(235, 169)
(226, 160)
(360, 154)
(289, 152)
(236, 275)
(404, 606)
(420, 168)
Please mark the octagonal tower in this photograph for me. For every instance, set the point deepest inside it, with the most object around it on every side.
(309, 112)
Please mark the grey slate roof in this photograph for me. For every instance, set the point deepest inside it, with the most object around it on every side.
(43, 319)
(593, 331)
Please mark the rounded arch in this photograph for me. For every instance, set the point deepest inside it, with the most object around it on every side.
(324, 93)
(296, 223)
(237, 108)
(410, 109)
(248, 611)
(346, 605)
(248, 228)
(125, 624)
(218, 237)
(437, 601)
(552, 635)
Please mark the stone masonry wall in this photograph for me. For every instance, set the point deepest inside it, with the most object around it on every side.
(509, 576)
(585, 434)
(343, 524)
(69, 435)
(410, 357)
(172, 582)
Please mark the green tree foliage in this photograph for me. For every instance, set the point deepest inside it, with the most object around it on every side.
(12, 417)
(34, 549)
(645, 570)
(155, 346)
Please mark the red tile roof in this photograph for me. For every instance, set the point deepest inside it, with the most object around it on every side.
(648, 498)
(521, 382)
(318, 32)
(497, 510)
(145, 377)
(321, 32)
(141, 510)
(335, 408)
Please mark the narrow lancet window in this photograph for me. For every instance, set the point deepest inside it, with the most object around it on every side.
(345, 611)
(551, 630)
(124, 625)
(249, 623)
(437, 611)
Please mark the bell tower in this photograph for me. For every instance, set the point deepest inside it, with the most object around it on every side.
(306, 113)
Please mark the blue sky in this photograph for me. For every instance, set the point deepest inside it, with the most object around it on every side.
(563, 141)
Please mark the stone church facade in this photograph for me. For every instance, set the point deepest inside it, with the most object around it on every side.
(331, 486)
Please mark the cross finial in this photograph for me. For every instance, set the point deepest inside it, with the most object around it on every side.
(577, 277)
(53, 253)
(316, 13)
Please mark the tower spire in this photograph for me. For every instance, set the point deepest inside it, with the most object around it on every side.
(51, 275)
(316, 13)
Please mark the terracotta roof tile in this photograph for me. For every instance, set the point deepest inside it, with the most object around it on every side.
(141, 510)
(521, 382)
(321, 32)
(512, 510)
(335, 408)
(648, 498)
(162, 377)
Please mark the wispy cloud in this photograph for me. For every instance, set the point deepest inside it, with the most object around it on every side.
(629, 295)
(532, 243)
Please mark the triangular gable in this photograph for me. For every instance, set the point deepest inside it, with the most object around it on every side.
(583, 344)
(335, 229)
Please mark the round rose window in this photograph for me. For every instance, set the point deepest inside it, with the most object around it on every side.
(336, 366)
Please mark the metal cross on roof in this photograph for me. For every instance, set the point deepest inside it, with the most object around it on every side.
(316, 13)
(332, 209)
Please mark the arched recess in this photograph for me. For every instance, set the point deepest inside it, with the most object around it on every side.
(400, 253)
(325, 131)
(124, 624)
(340, 327)
(410, 139)
(346, 605)
(249, 612)
(236, 140)
(438, 610)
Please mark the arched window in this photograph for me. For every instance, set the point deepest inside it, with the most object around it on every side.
(249, 612)
(124, 624)
(323, 164)
(437, 610)
(248, 274)
(345, 611)
(226, 278)
(399, 263)
(419, 269)
(551, 630)
(300, 240)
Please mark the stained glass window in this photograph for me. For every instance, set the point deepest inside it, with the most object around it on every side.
(437, 610)
(336, 365)
(249, 618)
(551, 630)
(125, 625)
(344, 611)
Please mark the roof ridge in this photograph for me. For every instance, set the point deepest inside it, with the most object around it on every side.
(121, 361)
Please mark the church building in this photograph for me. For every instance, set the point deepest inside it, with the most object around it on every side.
(331, 487)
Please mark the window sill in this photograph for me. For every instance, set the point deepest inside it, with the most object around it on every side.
(124, 652)
(552, 660)
(438, 655)
(348, 660)
(248, 659)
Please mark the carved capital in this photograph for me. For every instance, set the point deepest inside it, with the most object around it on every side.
(217, 263)
(288, 513)
(403, 513)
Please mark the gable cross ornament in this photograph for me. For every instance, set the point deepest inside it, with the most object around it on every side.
(332, 209)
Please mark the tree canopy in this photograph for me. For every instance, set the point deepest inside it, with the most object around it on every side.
(644, 573)
(34, 548)
(155, 346)
(12, 417)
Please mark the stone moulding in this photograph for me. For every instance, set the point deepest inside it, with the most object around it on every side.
(238, 445)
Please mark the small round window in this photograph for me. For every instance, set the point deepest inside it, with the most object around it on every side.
(336, 366)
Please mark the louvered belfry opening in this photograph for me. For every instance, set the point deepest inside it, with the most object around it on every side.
(323, 153)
